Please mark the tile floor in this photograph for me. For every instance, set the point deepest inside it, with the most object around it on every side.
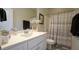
(58, 47)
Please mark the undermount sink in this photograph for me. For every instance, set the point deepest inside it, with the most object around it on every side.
(4, 39)
(25, 33)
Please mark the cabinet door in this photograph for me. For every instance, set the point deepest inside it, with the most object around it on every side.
(35, 41)
(40, 46)
(19, 46)
(43, 45)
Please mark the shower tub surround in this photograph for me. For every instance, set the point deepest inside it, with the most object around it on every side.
(25, 41)
(59, 29)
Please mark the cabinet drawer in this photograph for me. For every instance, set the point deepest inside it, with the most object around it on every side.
(32, 43)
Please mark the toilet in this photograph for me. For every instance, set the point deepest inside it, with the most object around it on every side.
(50, 43)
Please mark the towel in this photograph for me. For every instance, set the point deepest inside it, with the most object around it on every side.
(2, 15)
(75, 25)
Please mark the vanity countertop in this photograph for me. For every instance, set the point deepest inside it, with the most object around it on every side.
(18, 38)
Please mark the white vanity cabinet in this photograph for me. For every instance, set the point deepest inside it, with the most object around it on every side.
(38, 43)
(35, 42)
(19, 46)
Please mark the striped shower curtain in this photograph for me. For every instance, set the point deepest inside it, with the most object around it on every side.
(60, 26)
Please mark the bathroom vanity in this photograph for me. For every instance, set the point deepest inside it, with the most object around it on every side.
(20, 41)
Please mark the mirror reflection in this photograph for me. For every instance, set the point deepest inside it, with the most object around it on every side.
(22, 18)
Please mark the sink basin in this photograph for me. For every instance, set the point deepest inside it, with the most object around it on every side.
(4, 39)
(25, 33)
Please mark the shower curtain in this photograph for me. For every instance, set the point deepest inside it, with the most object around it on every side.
(60, 26)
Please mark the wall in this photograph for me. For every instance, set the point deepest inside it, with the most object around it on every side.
(75, 43)
(44, 11)
(20, 14)
(7, 25)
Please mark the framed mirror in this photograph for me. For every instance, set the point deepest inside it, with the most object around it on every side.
(41, 18)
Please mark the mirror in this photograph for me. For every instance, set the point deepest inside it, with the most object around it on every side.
(22, 16)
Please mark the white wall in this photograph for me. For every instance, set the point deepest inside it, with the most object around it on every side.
(7, 25)
(44, 11)
(75, 43)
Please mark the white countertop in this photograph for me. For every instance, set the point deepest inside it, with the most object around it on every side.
(15, 39)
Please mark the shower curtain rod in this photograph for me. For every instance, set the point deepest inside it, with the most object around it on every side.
(60, 13)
